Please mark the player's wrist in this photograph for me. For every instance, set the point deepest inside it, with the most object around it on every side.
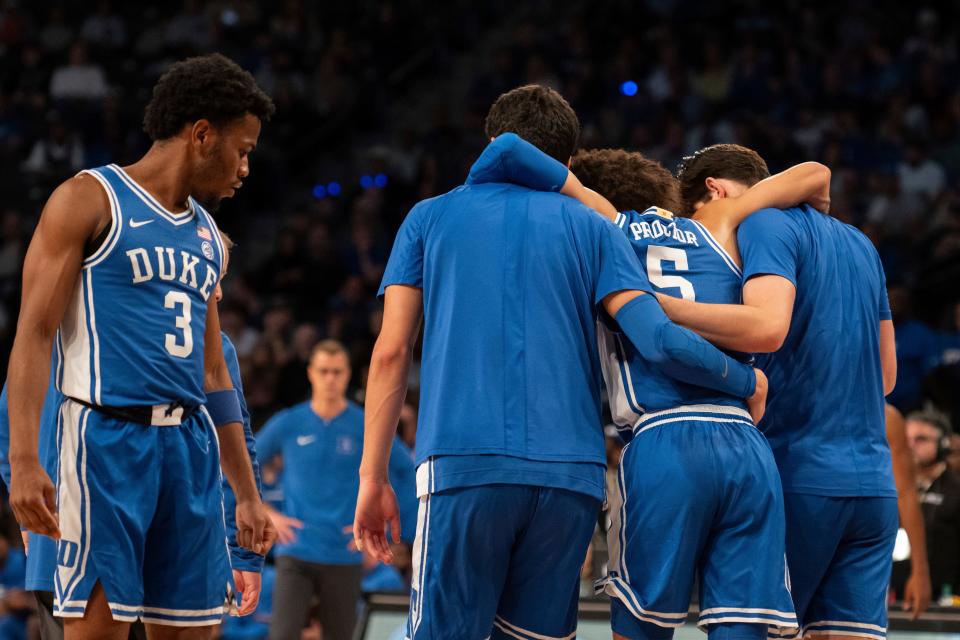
(24, 460)
(373, 476)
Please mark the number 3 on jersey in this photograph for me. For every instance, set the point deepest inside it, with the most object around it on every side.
(172, 299)
(656, 256)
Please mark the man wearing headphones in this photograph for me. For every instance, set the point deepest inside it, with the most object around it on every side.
(938, 489)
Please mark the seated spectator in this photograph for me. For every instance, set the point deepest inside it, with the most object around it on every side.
(939, 492)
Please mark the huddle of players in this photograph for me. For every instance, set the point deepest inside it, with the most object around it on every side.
(515, 284)
(508, 280)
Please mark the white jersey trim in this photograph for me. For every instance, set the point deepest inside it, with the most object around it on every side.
(116, 222)
(96, 338)
(179, 218)
(718, 248)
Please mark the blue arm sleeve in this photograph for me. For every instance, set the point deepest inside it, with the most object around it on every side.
(240, 559)
(403, 477)
(510, 158)
(4, 438)
(681, 353)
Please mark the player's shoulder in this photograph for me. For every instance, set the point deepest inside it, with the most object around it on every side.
(82, 192)
(767, 220)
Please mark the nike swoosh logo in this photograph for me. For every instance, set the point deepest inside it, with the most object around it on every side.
(305, 440)
(139, 223)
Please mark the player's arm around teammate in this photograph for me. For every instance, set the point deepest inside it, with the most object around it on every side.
(76, 213)
(917, 592)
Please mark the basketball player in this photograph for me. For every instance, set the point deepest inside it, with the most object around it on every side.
(42, 551)
(509, 445)
(124, 262)
(815, 304)
(698, 490)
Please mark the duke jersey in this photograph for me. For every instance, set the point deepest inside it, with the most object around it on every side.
(132, 333)
(682, 259)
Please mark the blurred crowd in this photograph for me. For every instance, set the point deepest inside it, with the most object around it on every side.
(381, 103)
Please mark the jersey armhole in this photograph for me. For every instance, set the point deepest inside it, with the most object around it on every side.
(106, 240)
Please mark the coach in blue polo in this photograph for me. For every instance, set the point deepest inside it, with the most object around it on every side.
(320, 442)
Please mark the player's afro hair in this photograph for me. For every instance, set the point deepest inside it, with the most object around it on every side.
(210, 87)
(628, 179)
(539, 115)
(729, 161)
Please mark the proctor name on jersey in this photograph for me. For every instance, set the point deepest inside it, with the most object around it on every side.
(163, 263)
(644, 230)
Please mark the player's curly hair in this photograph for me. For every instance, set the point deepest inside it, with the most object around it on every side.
(539, 115)
(729, 161)
(210, 87)
(628, 179)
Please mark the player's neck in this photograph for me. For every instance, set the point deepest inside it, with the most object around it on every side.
(163, 172)
(327, 408)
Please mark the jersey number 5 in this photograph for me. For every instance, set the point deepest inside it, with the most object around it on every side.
(172, 299)
(656, 256)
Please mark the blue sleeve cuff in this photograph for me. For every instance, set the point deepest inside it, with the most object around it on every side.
(510, 158)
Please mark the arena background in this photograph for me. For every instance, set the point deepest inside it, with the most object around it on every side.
(380, 104)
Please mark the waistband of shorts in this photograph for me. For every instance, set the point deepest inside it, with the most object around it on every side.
(170, 414)
(694, 413)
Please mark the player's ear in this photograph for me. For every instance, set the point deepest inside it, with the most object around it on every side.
(715, 189)
(201, 130)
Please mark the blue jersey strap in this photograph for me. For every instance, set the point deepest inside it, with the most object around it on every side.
(681, 353)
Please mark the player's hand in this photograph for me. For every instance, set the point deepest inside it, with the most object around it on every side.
(255, 530)
(757, 403)
(376, 510)
(248, 584)
(916, 594)
(285, 525)
(33, 498)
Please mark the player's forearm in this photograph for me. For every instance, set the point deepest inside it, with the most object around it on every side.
(386, 392)
(737, 327)
(804, 182)
(28, 377)
(235, 462)
(575, 189)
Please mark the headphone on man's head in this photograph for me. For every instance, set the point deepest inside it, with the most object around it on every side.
(940, 422)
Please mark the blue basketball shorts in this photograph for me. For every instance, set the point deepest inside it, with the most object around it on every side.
(141, 512)
(499, 561)
(840, 552)
(698, 492)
